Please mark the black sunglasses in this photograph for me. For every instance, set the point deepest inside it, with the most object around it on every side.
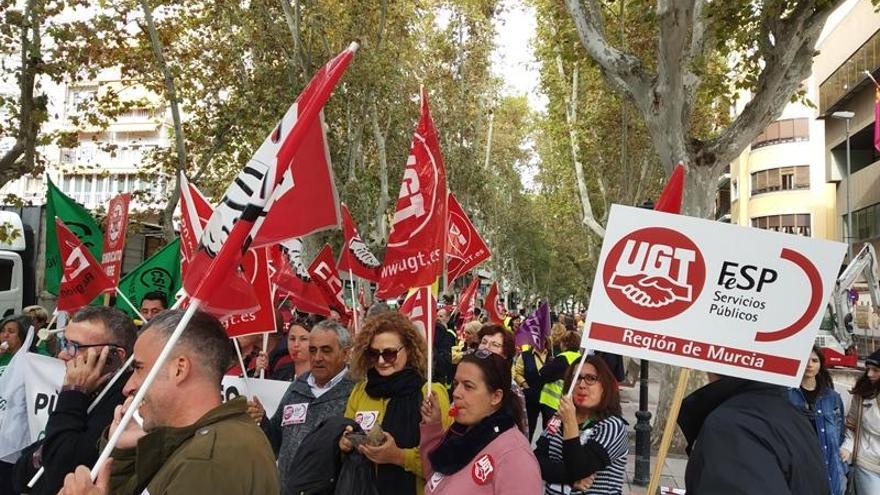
(388, 355)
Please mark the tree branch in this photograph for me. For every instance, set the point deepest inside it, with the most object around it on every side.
(621, 70)
(791, 65)
(291, 16)
(168, 213)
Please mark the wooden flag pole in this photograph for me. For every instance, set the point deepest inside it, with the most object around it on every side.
(158, 366)
(94, 403)
(127, 301)
(669, 429)
(577, 372)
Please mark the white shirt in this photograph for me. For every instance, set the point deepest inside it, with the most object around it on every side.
(318, 391)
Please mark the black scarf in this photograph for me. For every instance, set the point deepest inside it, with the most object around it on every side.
(461, 444)
(402, 417)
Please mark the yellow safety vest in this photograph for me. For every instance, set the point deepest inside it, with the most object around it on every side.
(552, 392)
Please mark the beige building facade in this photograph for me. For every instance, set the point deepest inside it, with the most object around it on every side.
(849, 49)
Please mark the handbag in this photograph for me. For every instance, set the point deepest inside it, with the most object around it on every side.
(851, 488)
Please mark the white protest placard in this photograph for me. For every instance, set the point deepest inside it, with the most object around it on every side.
(45, 375)
(708, 295)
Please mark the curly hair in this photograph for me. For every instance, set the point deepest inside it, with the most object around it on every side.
(392, 322)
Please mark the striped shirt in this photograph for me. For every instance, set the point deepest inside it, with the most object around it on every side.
(612, 435)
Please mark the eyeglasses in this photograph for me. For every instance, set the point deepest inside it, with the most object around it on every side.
(388, 355)
(72, 348)
(589, 379)
(491, 343)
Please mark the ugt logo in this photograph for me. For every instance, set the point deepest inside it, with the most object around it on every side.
(654, 273)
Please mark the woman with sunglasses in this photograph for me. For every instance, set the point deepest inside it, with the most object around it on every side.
(584, 448)
(389, 352)
(483, 452)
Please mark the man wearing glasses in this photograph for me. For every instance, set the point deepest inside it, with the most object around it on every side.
(98, 340)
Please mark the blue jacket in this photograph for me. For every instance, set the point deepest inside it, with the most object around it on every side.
(830, 428)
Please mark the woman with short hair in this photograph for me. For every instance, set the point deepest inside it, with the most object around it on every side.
(865, 397)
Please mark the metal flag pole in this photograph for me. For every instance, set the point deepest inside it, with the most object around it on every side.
(429, 336)
(354, 304)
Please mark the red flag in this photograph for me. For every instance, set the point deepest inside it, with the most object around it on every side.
(114, 236)
(195, 211)
(83, 278)
(877, 118)
(324, 274)
(292, 277)
(468, 301)
(416, 245)
(256, 270)
(416, 306)
(465, 248)
(256, 204)
(492, 305)
(670, 198)
(356, 257)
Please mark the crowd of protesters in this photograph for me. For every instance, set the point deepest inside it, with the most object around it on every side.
(360, 418)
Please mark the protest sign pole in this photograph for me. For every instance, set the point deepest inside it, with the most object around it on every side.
(669, 429)
(158, 366)
(130, 305)
(92, 406)
(244, 376)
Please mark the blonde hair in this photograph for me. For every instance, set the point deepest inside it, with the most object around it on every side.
(37, 313)
(556, 333)
(390, 322)
(472, 327)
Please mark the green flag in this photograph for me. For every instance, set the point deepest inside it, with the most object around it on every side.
(79, 221)
(160, 272)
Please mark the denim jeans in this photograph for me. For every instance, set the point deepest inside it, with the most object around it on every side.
(867, 482)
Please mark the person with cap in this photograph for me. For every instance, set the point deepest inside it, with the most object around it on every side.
(862, 444)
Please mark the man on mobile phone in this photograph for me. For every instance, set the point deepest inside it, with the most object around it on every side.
(98, 340)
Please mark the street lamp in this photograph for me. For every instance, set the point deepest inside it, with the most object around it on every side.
(642, 471)
(846, 117)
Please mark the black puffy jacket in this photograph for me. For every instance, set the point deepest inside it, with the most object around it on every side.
(745, 437)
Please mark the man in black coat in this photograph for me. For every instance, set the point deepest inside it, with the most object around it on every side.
(98, 340)
(744, 437)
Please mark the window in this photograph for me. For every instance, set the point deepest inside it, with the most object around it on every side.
(781, 179)
(783, 131)
(866, 223)
(850, 74)
(798, 224)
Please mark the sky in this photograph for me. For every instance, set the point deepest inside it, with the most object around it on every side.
(513, 58)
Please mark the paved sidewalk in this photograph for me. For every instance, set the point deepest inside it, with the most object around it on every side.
(673, 475)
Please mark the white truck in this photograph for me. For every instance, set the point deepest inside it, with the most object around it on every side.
(13, 245)
(835, 337)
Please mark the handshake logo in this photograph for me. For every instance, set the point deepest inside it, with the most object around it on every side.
(654, 273)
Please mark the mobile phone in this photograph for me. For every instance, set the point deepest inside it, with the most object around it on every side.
(113, 361)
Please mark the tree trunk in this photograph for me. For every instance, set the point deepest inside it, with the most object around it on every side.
(168, 213)
(384, 196)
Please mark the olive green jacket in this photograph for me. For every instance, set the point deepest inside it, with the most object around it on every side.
(224, 452)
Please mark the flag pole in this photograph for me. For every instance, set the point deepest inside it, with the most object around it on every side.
(265, 351)
(92, 406)
(876, 84)
(429, 336)
(354, 303)
(158, 366)
(130, 305)
(247, 388)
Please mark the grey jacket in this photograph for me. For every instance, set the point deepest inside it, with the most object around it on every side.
(288, 427)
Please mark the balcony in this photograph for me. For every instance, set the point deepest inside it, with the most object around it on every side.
(850, 76)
